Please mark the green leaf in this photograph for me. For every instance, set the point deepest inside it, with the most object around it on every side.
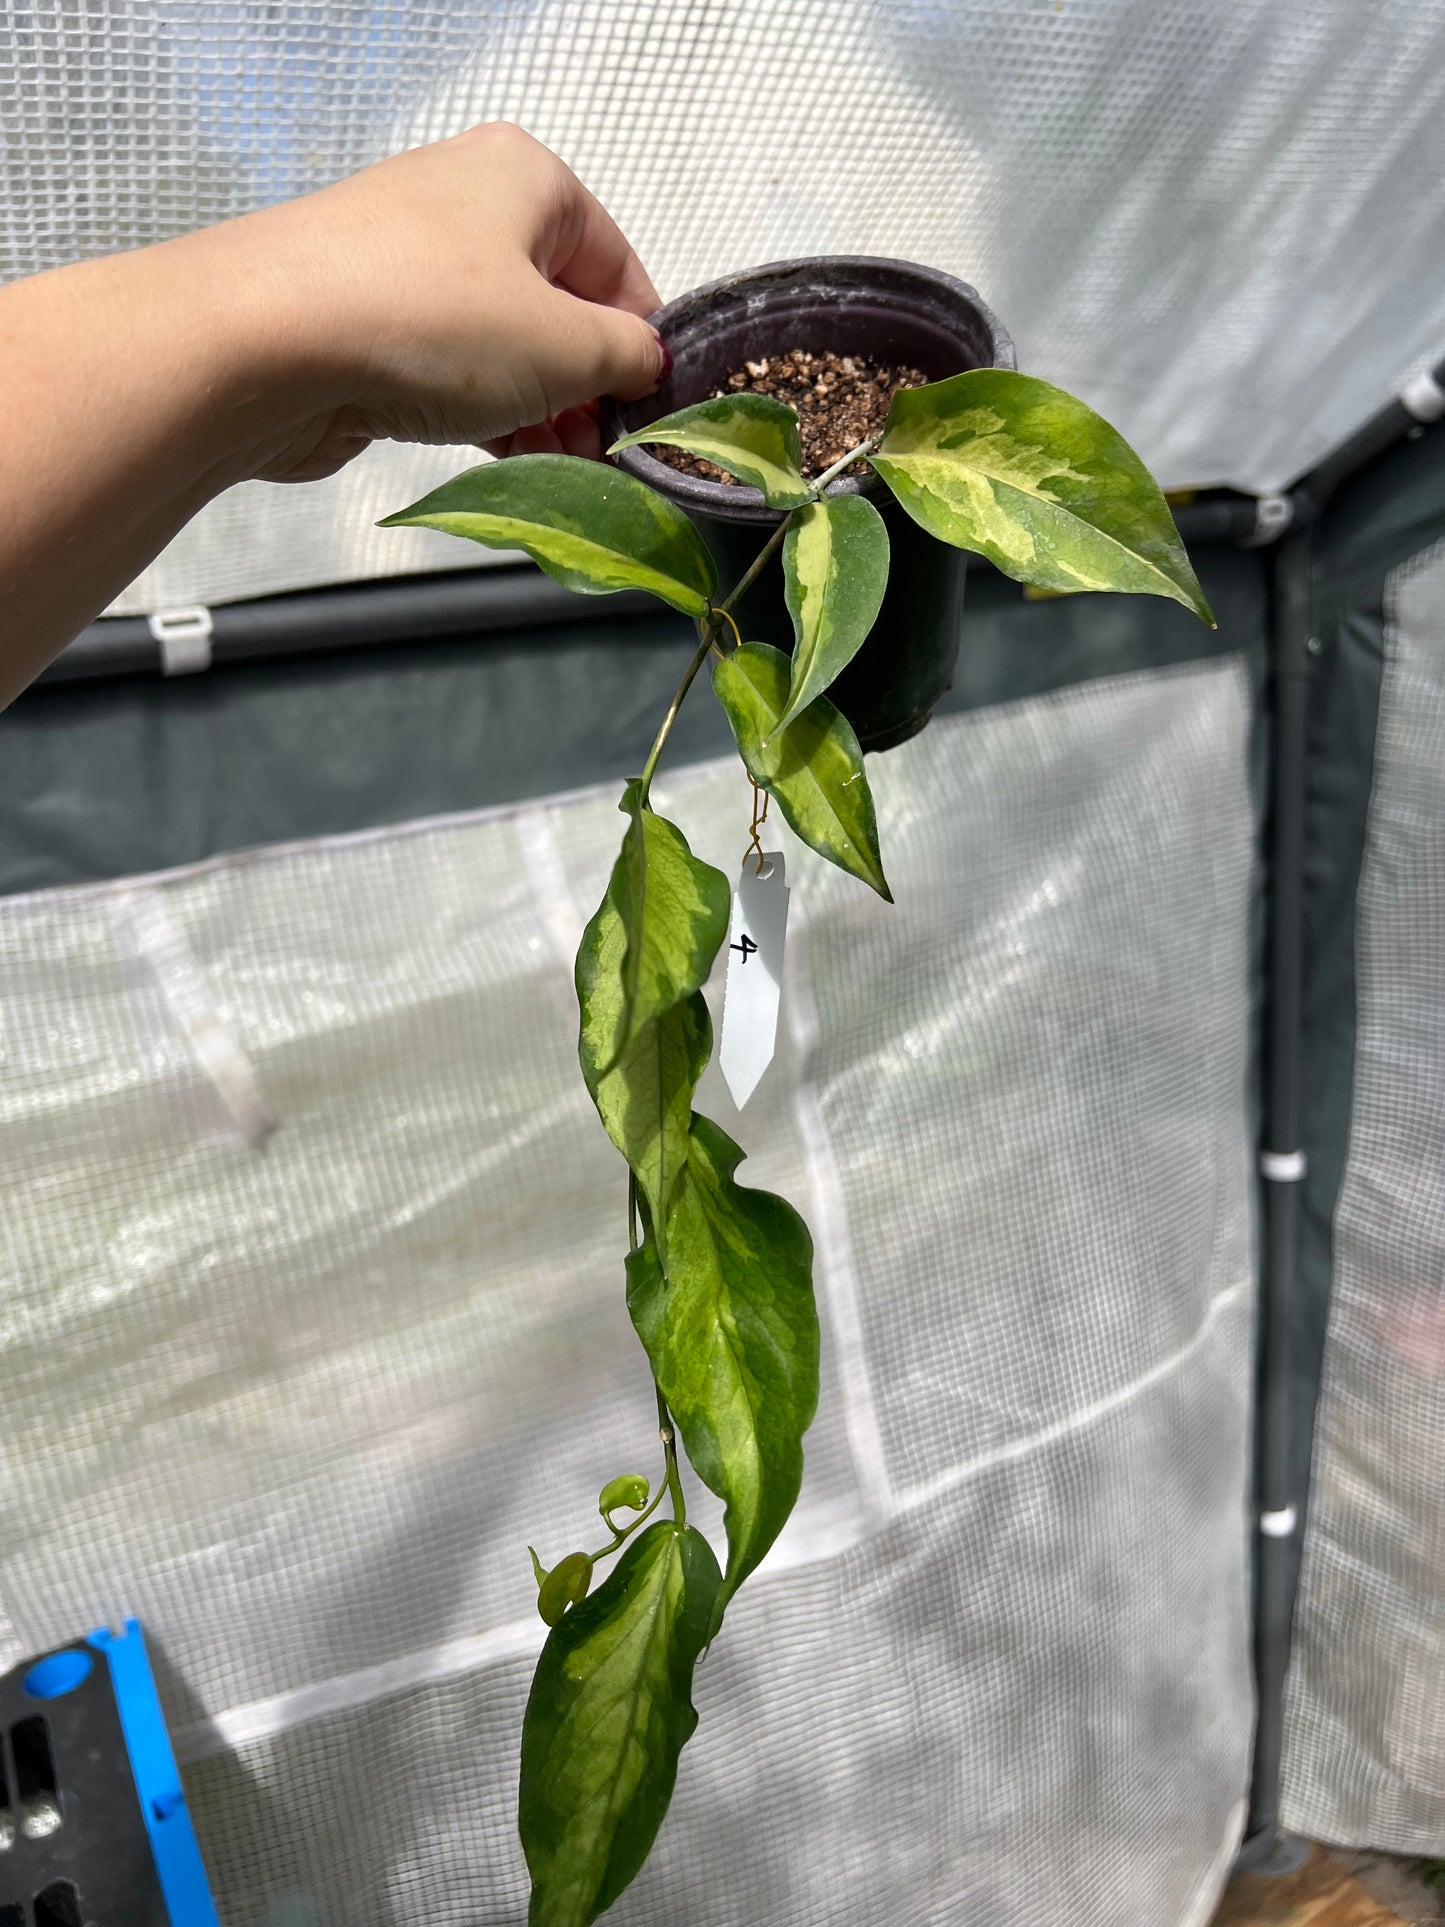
(732, 1333)
(609, 1712)
(629, 1490)
(563, 1586)
(814, 767)
(1036, 481)
(645, 1098)
(674, 914)
(592, 528)
(754, 437)
(835, 569)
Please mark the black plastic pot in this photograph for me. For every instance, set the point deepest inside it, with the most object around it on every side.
(895, 313)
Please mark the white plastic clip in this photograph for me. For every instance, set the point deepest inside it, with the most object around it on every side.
(1423, 396)
(1272, 516)
(1279, 1525)
(1283, 1167)
(184, 636)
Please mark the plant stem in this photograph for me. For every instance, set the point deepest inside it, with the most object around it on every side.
(709, 632)
(672, 1481)
(760, 560)
(712, 624)
(845, 461)
(710, 627)
(619, 1536)
(669, 1446)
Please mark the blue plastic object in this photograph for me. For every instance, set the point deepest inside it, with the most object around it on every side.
(158, 1784)
(57, 1674)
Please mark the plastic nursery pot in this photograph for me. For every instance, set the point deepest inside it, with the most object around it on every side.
(896, 314)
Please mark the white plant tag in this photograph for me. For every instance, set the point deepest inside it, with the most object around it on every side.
(755, 974)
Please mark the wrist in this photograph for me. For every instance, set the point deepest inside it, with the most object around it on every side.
(265, 362)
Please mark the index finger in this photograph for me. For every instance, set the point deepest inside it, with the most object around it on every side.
(592, 258)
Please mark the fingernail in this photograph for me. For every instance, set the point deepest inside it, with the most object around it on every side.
(666, 361)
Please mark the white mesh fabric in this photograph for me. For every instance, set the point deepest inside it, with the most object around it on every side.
(1219, 224)
(301, 1401)
(1365, 1739)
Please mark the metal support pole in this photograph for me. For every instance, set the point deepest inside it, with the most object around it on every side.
(353, 617)
(408, 609)
(1282, 1165)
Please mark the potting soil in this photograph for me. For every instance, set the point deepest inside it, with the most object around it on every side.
(840, 400)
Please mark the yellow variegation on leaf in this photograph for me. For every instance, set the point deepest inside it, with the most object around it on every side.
(835, 569)
(754, 437)
(1027, 475)
(592, 528)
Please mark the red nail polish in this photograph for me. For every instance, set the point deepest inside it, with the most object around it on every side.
(666, 361)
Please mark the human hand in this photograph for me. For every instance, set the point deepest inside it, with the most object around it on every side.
(472, 291)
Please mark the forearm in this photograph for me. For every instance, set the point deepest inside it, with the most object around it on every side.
(467, 292)
(135, 389)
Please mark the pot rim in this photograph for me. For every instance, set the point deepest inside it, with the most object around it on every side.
(737, 501)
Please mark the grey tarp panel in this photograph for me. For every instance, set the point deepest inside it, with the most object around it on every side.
(1365, 1737)
(1383, 518)
(303, 1406)
(107, 779)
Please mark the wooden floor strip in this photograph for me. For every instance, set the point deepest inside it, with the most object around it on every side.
(1321, 1894)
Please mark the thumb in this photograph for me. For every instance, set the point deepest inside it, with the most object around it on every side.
(602, 351)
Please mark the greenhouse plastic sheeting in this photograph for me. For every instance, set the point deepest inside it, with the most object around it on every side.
(1365, 1754)
(1220, 224)
(312, 1310)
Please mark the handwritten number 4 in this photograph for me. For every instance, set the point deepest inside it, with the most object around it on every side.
(747, 946)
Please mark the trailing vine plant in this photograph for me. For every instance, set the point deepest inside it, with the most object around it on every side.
(719, 1276)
